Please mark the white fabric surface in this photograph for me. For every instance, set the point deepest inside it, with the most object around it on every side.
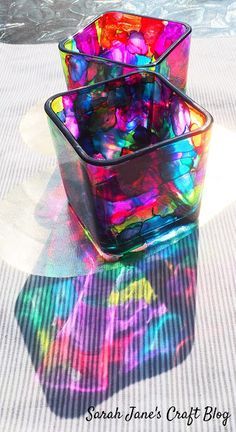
(29, 75)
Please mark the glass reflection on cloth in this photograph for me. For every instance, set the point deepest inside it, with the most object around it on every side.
(91, 335)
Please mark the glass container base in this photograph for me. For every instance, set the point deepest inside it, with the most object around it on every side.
(153, 241)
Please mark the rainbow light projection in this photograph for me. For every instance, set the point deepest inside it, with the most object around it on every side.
(91, 335)
(132, 153)
(117, 43)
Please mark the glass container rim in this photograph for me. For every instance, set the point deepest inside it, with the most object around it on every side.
(61, 44)
(108, 162)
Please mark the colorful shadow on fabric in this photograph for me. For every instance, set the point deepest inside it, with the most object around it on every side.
(136, 163)
(117, 43)
(97, 333)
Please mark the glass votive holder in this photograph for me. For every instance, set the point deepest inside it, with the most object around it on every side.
(132, 154)
(117, 43)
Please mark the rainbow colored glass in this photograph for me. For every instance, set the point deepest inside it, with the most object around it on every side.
(117, 43)
(97, 333)
(132, 154)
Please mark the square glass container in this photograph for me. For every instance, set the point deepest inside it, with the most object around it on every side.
(117, 43)
(132, 153)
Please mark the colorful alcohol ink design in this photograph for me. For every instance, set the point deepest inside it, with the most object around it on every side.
(132, 154)
(92, 335)
(117, 43)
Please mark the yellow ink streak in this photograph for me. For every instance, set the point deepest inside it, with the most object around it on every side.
(137, 290)
(57, 105)
(44, 340)
(64, 66)
(194, 196)
(99, 31)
